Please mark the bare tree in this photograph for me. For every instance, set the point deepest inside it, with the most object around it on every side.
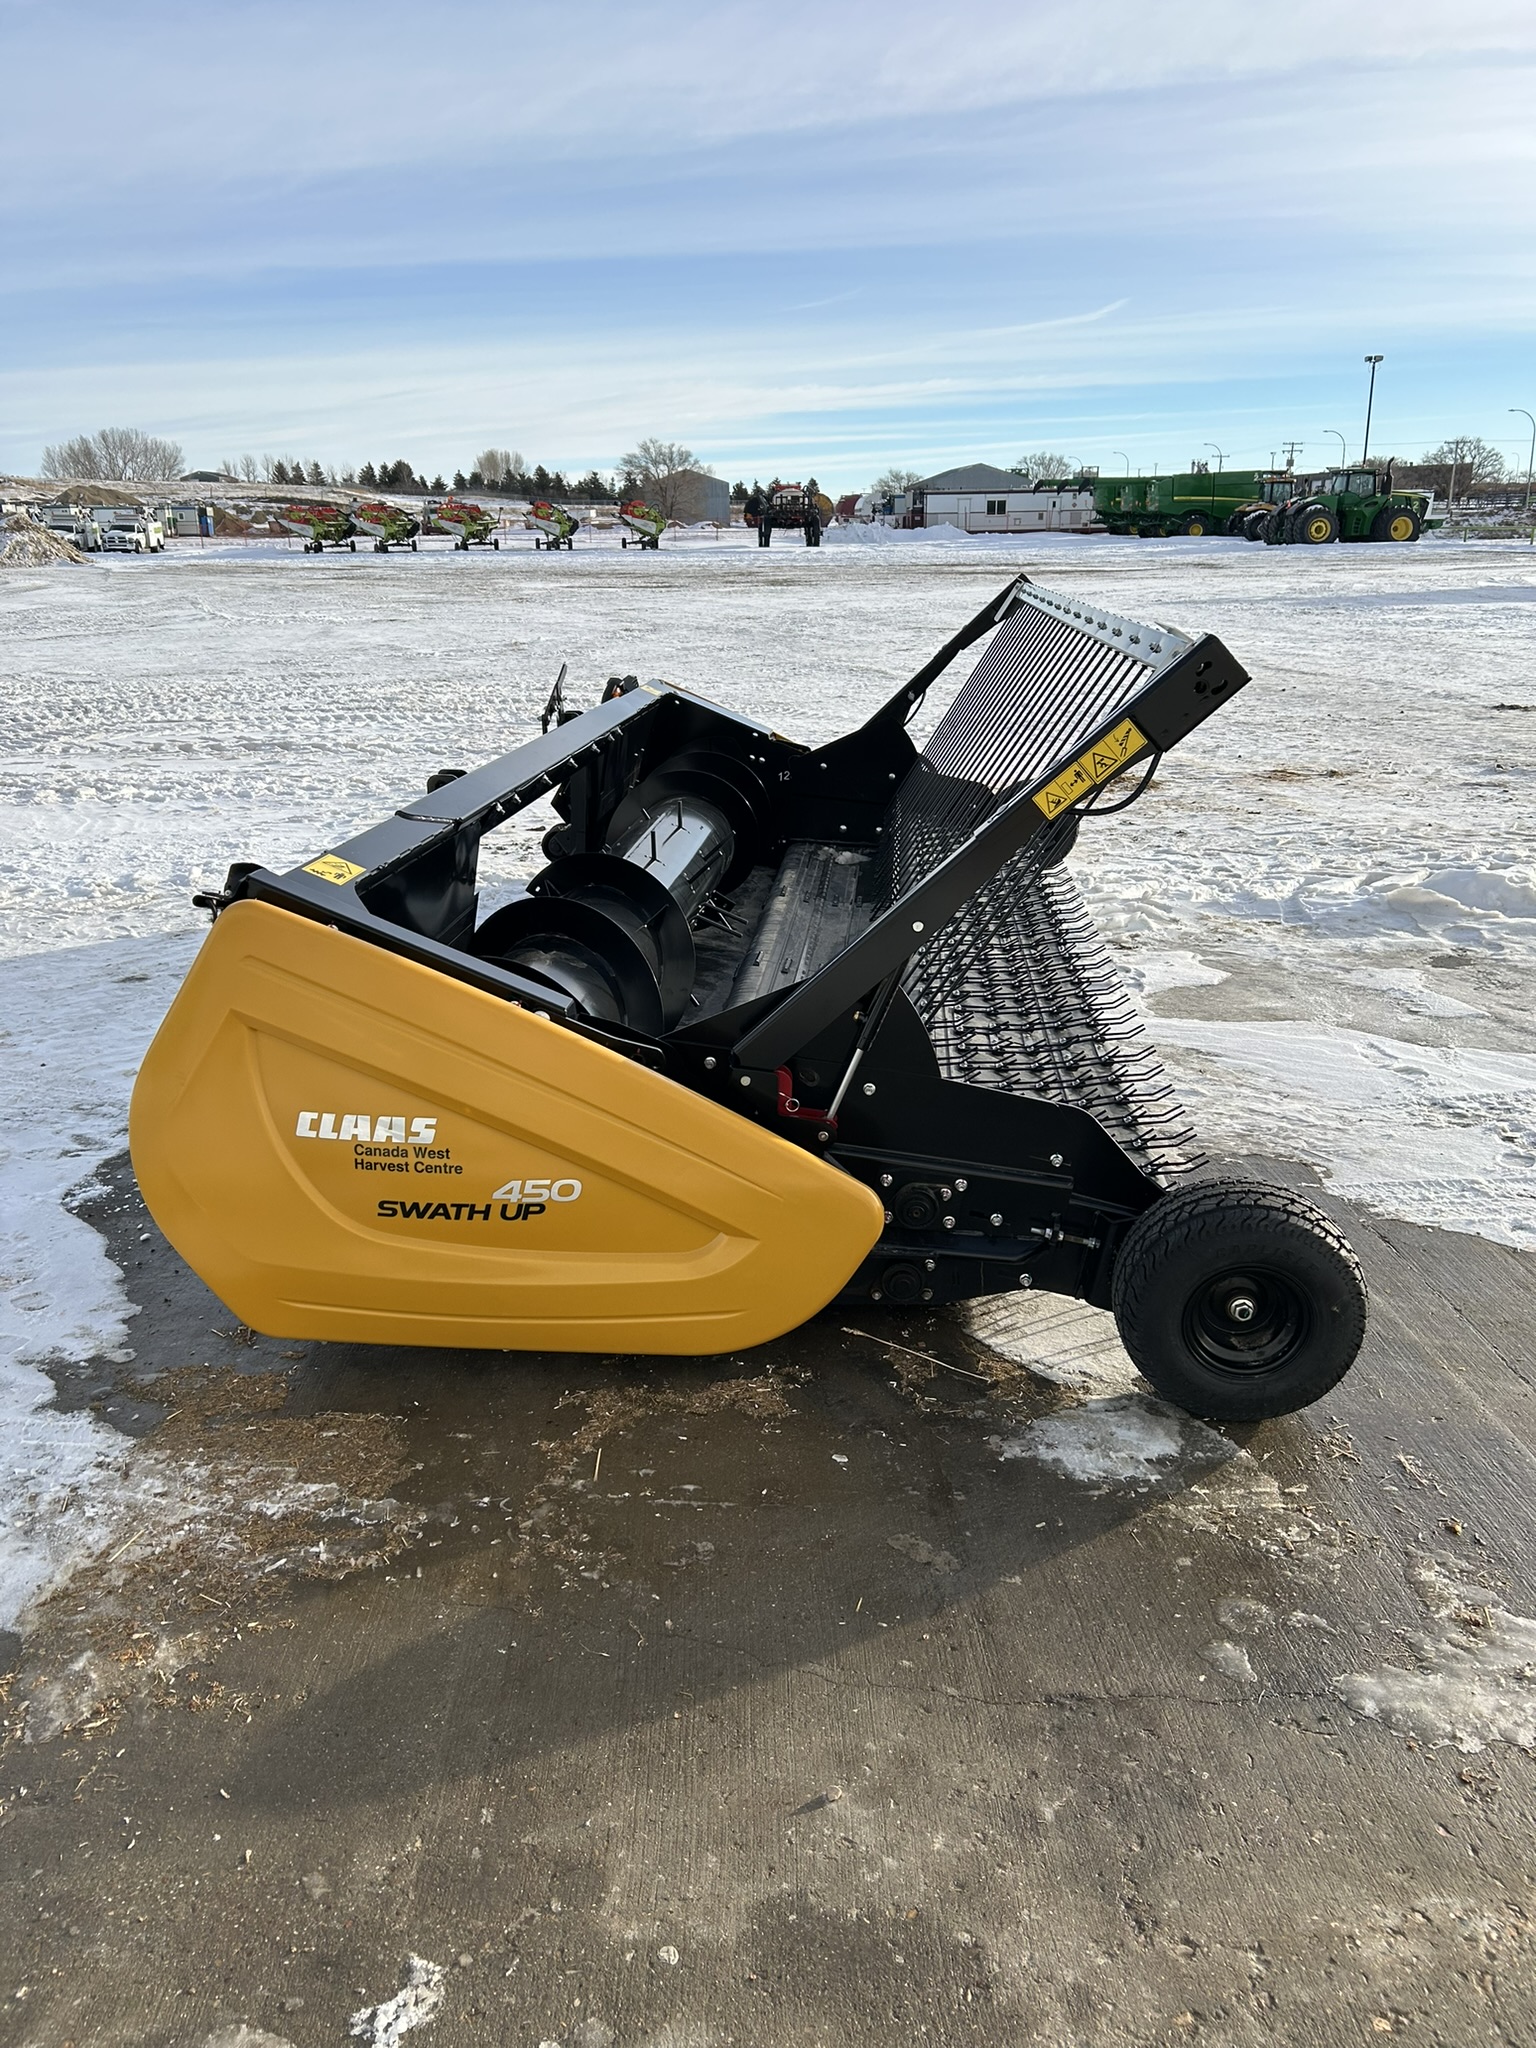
(1465, 461)
(894, 482)
(71, 458)
(658, 468)
(116, 455)
(1043, 464)
(495, 465)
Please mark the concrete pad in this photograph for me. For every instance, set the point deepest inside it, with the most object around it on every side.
(868, 1688)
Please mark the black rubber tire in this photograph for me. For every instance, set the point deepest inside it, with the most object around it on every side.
(1314, 526)
(1275, 532)
(1253, 526)
(1197, 524)
(1393, 515)
(1219, 1241)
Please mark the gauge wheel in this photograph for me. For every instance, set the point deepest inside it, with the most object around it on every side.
(1238, 1301)
(1397, 523)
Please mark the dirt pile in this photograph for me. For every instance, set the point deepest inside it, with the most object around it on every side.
(30, 545)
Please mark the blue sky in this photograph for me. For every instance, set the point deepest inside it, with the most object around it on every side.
(797, 237)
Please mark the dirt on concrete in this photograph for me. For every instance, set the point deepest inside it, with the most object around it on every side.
(896, 1682)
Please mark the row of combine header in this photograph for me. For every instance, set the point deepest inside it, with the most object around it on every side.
(387, 526)
(470, 526)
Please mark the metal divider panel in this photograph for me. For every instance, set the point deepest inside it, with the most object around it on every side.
(1036, 696)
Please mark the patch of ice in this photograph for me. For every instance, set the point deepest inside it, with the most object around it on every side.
(416, 2004)
(924, 1553)
(1245, 1617)
(1411, 993)
(1150, 973)
(1124, 1441)
(1231, 1660)
(243, 2036)
(1054, 1338)
(1437, 1134)
(76, 1024)
(1475, 1676)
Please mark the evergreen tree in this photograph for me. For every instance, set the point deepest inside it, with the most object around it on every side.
(316, 473)
(437, 485)
(476, 480)
(367, 477)
(541, 481)
(279, 472)
(460, 481)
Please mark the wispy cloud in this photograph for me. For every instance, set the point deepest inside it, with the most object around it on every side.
(857, 231)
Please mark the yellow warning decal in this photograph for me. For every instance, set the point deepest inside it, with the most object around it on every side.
(330, 867)
(1104, 758)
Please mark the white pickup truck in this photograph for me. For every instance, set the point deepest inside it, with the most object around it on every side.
(132, 533)
(74, 524)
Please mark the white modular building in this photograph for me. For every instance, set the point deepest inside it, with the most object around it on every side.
(981, 499)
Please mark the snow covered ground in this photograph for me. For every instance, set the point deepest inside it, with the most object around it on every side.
(1328, 902)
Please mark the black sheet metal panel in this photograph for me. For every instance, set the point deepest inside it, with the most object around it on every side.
(816, 905)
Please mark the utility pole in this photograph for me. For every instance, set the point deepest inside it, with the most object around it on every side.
(1370, 400)
(1290, 450)
(1530, 460)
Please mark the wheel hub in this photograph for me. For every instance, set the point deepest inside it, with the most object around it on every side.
(1247, 1321)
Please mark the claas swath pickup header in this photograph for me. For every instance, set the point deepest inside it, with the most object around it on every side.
(776, 1026)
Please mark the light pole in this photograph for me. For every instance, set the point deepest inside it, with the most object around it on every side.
(1370, 400)
(1220, 454)
(1530, 460)
(1343, 446)
(1123, 457)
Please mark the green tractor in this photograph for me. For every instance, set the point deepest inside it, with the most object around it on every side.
(1345, 504)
